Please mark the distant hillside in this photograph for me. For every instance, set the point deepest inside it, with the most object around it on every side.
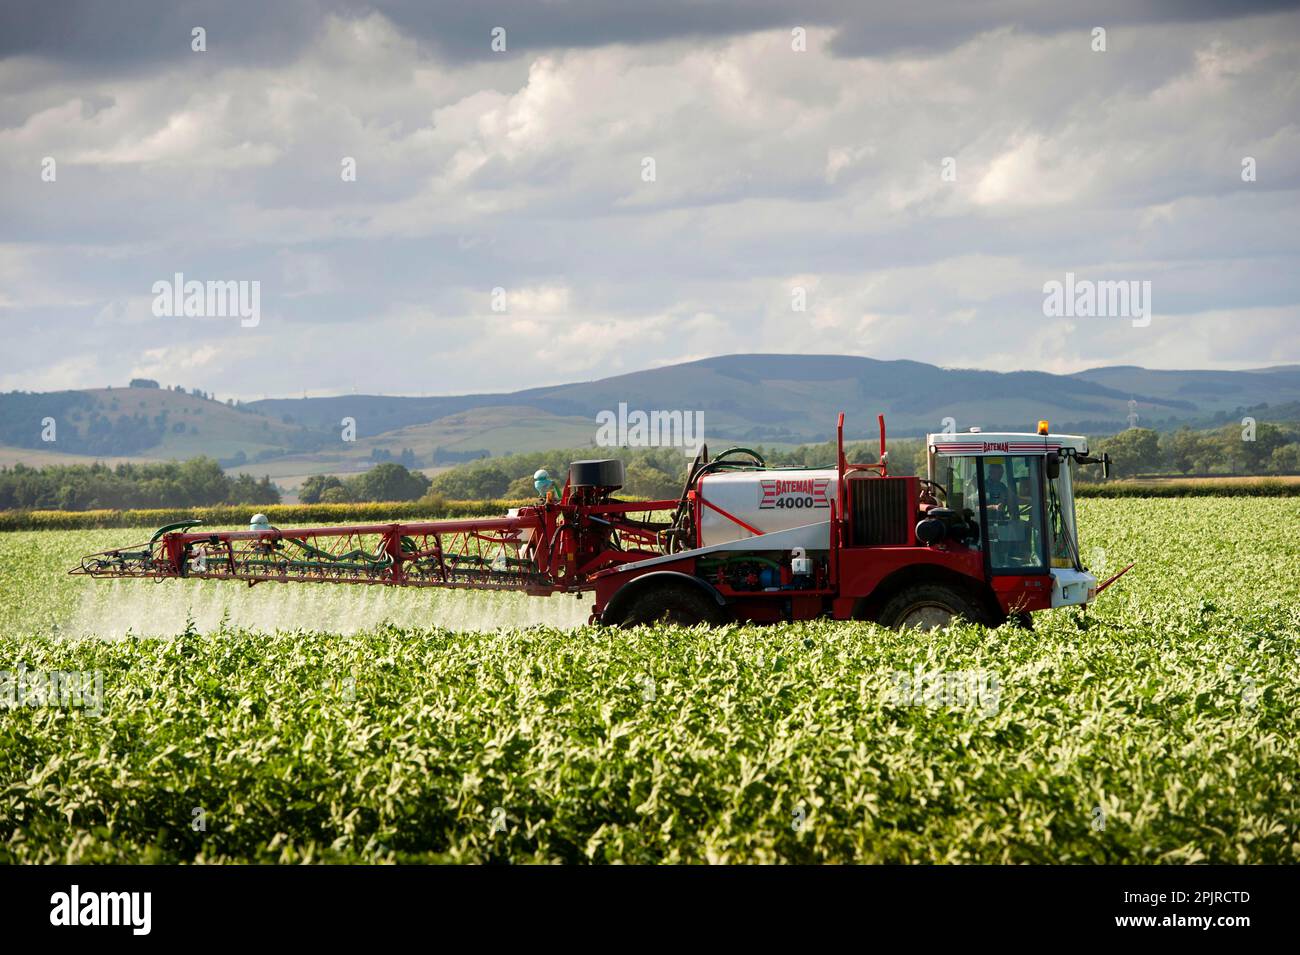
(154, 422)
(1209, 393)
(768, 399)
(492, 430)
(794, 398)
(480, 432)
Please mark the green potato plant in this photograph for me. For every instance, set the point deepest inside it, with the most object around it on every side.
(1161, 726)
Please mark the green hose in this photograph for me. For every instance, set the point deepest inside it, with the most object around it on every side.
(326, 558)
(750, 451)
(168, 528)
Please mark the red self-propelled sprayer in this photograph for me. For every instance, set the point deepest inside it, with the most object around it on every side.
(990, 533)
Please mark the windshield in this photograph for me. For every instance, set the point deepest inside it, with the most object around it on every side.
(1060, 510)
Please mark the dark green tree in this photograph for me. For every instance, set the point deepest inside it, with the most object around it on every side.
(1134, 451)
(314, 487)
(389, 481)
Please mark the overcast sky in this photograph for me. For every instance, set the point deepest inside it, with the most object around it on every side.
(775, 169)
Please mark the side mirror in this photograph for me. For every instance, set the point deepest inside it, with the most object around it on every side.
(1053, 466)
(1105, 466)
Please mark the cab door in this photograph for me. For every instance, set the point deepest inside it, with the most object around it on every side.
(1013, 517)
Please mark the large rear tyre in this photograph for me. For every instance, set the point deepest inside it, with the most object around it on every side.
(930, 607)
(673, 604)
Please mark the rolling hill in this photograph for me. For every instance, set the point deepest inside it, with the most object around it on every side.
(794, 398)
(156, 423)
(770, 399)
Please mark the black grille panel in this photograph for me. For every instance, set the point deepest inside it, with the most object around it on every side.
(882, 510)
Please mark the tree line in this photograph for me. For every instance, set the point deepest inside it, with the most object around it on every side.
(198, 482)
(1255, 449)
(388, 481)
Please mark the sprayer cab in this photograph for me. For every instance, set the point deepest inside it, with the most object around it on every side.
(1010, 496)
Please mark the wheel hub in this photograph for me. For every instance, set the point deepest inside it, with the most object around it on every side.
(927, 617)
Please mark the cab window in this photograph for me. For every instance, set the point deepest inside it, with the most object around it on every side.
(962, 484)
(1012, 512)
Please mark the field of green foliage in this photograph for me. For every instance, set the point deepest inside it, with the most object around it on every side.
(395, 726)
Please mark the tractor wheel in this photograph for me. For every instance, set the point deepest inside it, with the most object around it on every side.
(673, 604)
(928, 607)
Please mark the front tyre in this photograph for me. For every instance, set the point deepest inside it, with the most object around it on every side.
(673, 604)
(929, 607)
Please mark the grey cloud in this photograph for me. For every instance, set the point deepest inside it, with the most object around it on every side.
(88, 36)
(933, 27)
(132, 34)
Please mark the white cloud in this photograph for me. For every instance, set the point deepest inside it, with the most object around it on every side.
(774, 168)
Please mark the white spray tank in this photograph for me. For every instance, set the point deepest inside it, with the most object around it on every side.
(771, 500)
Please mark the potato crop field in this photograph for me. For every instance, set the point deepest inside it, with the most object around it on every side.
(212, 722)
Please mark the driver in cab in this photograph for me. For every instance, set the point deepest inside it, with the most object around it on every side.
(997, 499)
